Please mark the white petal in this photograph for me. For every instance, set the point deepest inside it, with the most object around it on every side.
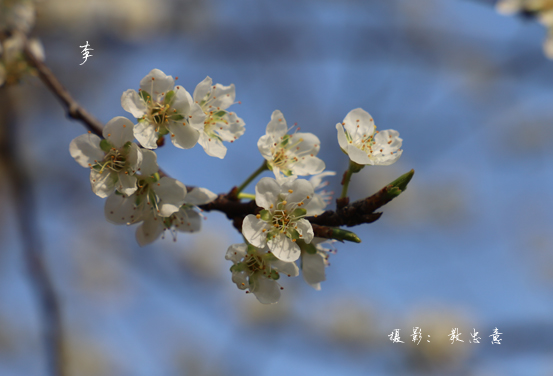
(252, 229)
(200, 196)
(103, 184)
(308, 165)
(126, 183)
(146, 134)
(149, 163)
(266, 290)
(118, 131)
(202, 89)
(182, 101)
(120, 209)
(317, 180)
(133, 103)
(284, 248)
(358, 155)
(86, 150)
(313, 269)
(306, 143)
(266, 192)
(288, 268)
(342, 140)
(134, 157)
(149, 230)
(277, 126)
(359, 124)
(305, 229)
(188, 220)
(223, 96)
(301, 189)
(236, 252)
(157, 82)
(316, 206)
(213, 146)
(264, 145)
(171, 195)
(183, 135)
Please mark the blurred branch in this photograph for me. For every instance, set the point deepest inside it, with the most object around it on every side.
(359, 212)
(25, 209)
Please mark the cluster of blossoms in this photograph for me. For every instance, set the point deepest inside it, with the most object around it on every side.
(541, 9)
(17, 17)
(127, 173)
(279, 235)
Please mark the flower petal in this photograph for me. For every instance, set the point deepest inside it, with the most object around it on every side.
(313, 269)
(284, 248)
(266, 192)
(277, 126)
(133, 103)
(118, 131)
(359, 124)
(223, 96)
(199, 196)
(149, 163)
(126, 183)
(252, 229)
(134, 158)
(86, 150)
(103, 184)
(120, 209)
(358, 155)
(188, 220)
(305, 229)
(266, 290)
(342, 139)
(236, 252)
(171, 195)
(157, 82)
(288, 268)
(149, 230)
(183, 135)
(212, 146)
(146, 134)
(202, 89)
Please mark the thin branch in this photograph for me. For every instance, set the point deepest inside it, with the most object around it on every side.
(25, 208)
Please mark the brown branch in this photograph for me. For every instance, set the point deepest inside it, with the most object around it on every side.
(33, 251)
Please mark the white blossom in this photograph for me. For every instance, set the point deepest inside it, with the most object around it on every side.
(113, 161)
(289, 155)
(163, 109)
(358, 137)
(258, 270)
(186, 219)
(282, 222)
(13, 64)
(219, 124)
(156, 199)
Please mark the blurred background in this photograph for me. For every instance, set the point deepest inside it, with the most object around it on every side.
(468, 245)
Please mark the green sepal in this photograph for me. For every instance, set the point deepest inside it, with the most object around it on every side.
(168, 97)
(355, 167)
(105, 145)
(265, 215)
(145, 95)
(299, 212)
(176, 117)
(220, 114)
(274, 275)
